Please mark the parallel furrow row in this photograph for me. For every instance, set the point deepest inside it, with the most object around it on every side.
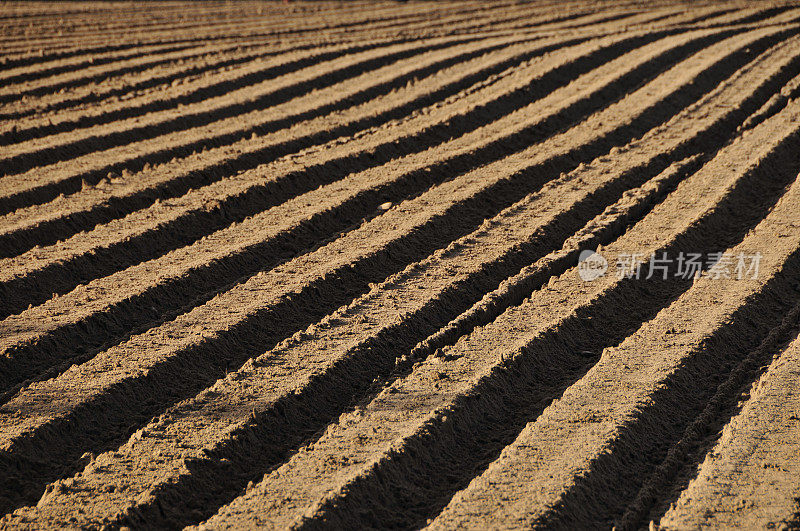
(241, 247)
(85, 75)
(94, 92)
(754, 466)
(323, 264)
(217, 340)
(617, 422)
(397, 458)
(249, 193)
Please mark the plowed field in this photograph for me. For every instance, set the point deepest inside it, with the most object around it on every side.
(400, 264)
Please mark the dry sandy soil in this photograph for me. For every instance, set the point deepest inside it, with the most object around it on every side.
(319, 264)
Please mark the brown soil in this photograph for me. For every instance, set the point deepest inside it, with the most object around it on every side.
(318, 264)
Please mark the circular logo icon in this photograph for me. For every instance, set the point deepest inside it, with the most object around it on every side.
(591, 265)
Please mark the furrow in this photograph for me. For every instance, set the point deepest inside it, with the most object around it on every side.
(90, 102)
(775, 104)
(763, 14)
(90, 73)
(258, 96)
(468, 200)
(284, 22)
(668, 480)
(396, 460)
(40, 57)
(324, 37)
(96, 93)
(264, 25)
(749, 479)
(748, 15)
(356, 345)
(91, 93)
(257, 28)
(215, 92)
(709, 137)
(70, 182)
(210, 60)
(54, 179)
(248, 194)
(283, 116)
(142, 15)
(95, 139)
(19, 75)
(324, 264)
(210, 19)
(39, 101)
(106, 301)
(181, 83)
(463, 14)
(585, 456)
(22, 233)
(203, 89)
(346, 195)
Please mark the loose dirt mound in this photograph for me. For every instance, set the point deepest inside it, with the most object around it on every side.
(371, 264)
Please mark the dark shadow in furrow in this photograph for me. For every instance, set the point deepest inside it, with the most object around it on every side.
(128, 22)
(257, 199)
(182, 44)
(66, 68)
(25, 17)
(666, 483)
(186, 374)
(283, 32)
(19, 135)
(271, 438)
(158, 80)
(523, 287)
(55, 70)
(604, 20)
(395, 22)
(775, 105)
(72, 51)
(767, 13)
(50, 232)
(198, 95)
(73, 184)
(45, 57)
(108, 93)
(227, 86)
(203, 283)
(113, 417)
(149, 83)
(45, 130)
(40, 131)
(645, 442)
(54, 56)
(24, 162)
(100, 330)
(714, 14)
(270, 253)
(706, 144)
(482, 24)
(415, 484)
(213, 24)
(64, 276)
(50, 89)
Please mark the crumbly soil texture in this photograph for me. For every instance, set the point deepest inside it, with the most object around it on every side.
(370, 264)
